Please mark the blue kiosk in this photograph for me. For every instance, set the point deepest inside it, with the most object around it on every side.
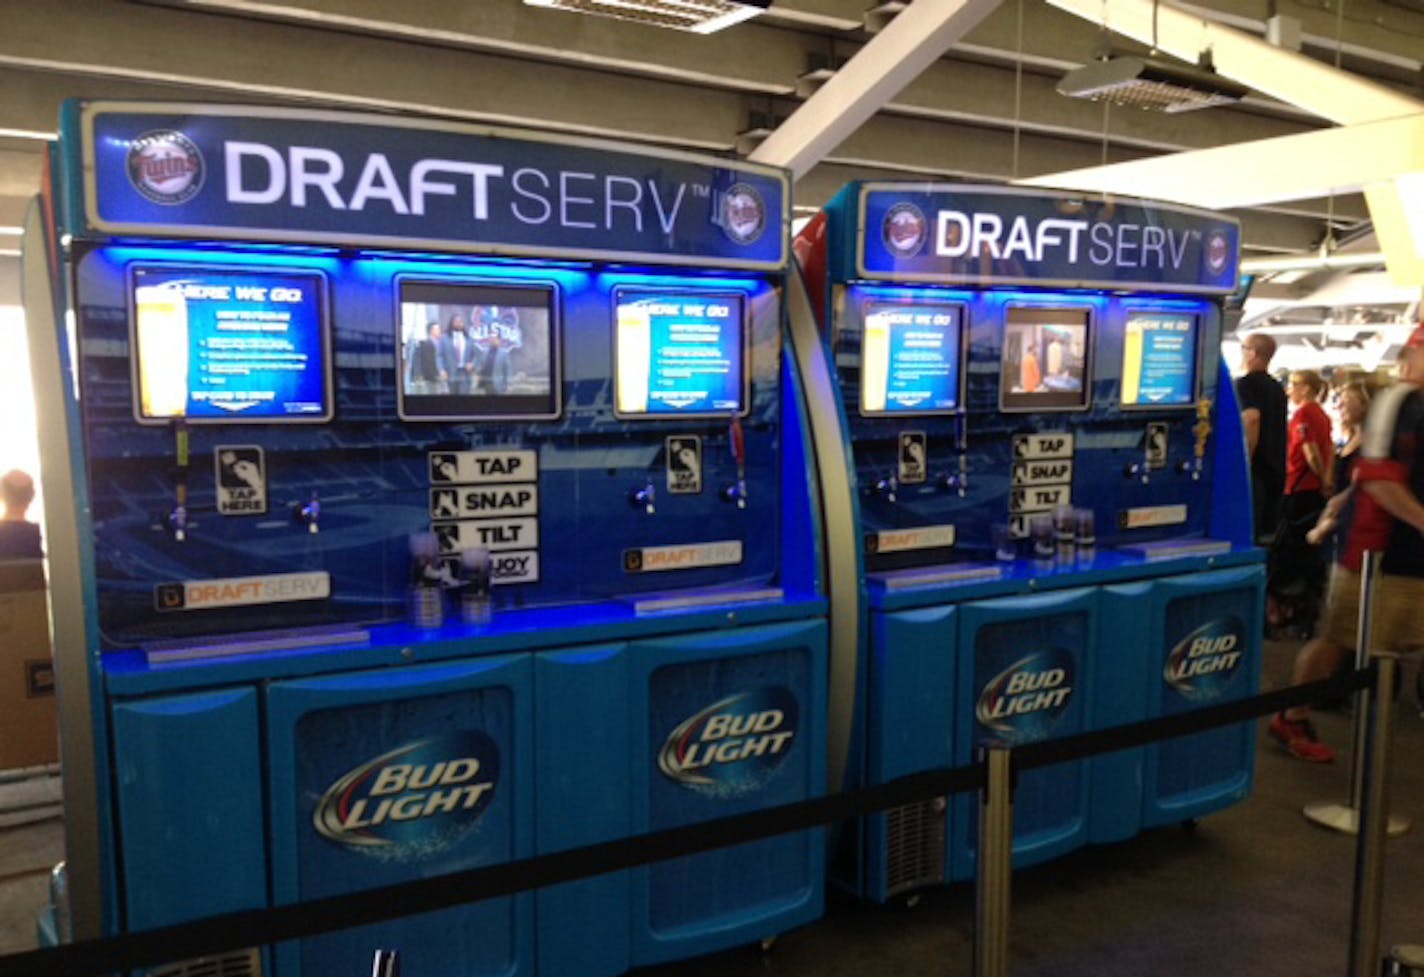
(424, 496)
(1051, 506)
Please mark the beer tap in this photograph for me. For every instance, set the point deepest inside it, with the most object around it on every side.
(887, 487)
(178, 515)
(644, 497)
(1202, 431)
(738, 492)
(310, 513)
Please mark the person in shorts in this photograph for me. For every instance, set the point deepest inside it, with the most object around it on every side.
(1384, 514)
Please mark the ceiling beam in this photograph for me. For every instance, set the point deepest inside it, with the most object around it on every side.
(880, 69)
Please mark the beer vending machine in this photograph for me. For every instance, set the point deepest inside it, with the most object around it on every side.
(1051, 501)
(423, 496)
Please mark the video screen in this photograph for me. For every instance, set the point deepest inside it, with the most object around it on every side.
(1159, 359)
(1045, 359)
(679, 354)
(470, 351)
(228, 346)
(910, 359)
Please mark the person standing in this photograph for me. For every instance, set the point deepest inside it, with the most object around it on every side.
(460, 354)
(431, 375)
(1263, 417)
(1385, 515)
(19, 538)
(1297, 566)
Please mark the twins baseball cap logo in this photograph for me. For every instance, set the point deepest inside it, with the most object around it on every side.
(1218, 250)
(734, 746)
(165, 166)
(1205, 662)
(743, 215)
(1026, 700)
(415, 801)
(904, 230)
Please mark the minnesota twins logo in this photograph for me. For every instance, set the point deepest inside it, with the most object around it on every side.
(904, 230)
(165, 166)
(743, 215)
(1218, 250)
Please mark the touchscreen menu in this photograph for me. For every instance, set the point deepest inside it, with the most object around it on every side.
(1159, 357)
(679, 353)
(910, 359)
(228, 345)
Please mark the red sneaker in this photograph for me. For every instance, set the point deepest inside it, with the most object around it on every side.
(1297, 737)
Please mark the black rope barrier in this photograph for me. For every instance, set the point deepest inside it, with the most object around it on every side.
(237, 931)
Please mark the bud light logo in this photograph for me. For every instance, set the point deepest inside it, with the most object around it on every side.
(1217, 252)
(415, 801)
(1026, 700)
(1204, 663)
(733, 747)
(743, 215)
(904, 230)
(165, 166)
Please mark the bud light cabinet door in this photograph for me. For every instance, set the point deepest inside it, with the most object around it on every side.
(729, 722)
(1025, 674)
(1208, 651)
(188, 776)
(584, 738)
(909, 729)
(395, 774)
(1125, 650)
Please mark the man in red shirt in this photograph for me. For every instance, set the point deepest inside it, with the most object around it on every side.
(1387, 517)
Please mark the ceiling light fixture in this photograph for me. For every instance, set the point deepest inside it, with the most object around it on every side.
(1151, 83)
(697, 16)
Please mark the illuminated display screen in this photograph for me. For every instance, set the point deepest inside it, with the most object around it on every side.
(910, 359)
(474, 350)
(1045, 359)
(231, 346)
(679, 354)
(1159, 357)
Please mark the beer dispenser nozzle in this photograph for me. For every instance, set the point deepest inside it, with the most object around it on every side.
(310, 513)
(644, 497)
(739, 452)
(178, 520)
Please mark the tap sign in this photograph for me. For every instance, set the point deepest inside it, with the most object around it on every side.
(242, 480)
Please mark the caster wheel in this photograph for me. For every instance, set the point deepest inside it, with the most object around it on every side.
(767, 942)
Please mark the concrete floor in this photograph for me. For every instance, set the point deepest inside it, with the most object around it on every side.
(1255, 890)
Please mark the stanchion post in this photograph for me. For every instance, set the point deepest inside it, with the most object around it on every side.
(1369, 571)
(386, 963)
(994, 863)
(1345, 818)
(1374, 819)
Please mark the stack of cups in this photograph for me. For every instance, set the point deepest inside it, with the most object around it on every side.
(475, 592)
(425, 599)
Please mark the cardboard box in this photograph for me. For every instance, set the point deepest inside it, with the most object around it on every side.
(29, 720)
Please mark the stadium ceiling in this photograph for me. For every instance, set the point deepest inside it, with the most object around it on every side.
(984, 108)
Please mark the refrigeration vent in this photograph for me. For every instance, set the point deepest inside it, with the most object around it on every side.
(915, 846)
(242, 963)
